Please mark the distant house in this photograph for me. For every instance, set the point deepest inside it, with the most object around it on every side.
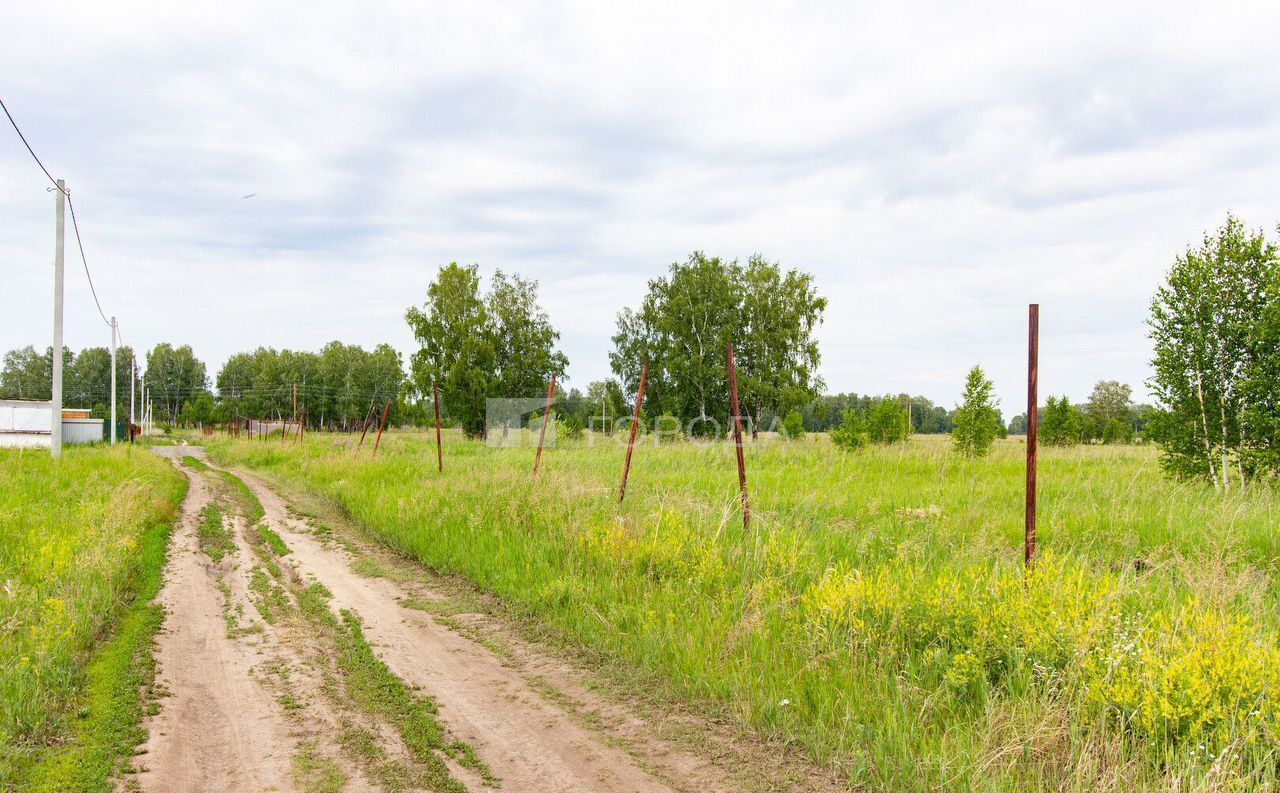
(27, 423)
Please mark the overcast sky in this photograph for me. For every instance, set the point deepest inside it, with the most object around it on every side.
(936, 167)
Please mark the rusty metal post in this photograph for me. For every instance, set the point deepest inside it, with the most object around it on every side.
(382, 426)
(1033, 428)
(435, 387)
(737, 438)
(635, 425)
(365, 431)
(546, 416)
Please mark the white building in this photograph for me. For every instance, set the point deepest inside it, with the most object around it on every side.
(26, 423)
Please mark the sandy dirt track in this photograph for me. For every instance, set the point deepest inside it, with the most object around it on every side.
(221, 724)
(217, 728)
(528, 742)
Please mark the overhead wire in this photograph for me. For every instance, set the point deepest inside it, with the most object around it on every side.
(70, 205)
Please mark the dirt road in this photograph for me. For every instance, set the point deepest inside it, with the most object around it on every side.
(259, 697)
(217, 729)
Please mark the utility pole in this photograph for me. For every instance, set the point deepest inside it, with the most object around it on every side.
(60, 224)
(114, 392)
(133, 375)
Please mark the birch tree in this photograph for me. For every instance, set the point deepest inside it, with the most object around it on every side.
(1205, 325)
(686, 320)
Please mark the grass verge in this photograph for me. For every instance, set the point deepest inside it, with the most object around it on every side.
(82, 550)
(876, 613)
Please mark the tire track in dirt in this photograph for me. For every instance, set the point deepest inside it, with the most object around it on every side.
(531, 741)
(217, 729)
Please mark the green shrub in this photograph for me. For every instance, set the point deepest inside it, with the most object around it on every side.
(852, 432)
(793, 426)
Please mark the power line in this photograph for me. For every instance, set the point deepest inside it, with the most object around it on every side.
(76, 226)
(84, 260)
(33, 153)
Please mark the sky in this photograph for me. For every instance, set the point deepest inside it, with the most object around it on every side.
(936, 167)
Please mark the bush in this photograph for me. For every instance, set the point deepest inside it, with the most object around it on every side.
(887, 422)
(1062, 424)
(572, 427)
(1117, 431)
(852, 432)
(793, 426)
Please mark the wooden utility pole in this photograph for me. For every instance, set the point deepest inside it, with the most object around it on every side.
(635, 425)
(435, 387)
(546, 417)
(1033, 427)
(60, 225)
(737, 438)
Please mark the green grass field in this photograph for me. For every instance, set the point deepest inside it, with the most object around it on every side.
(82, 545)
(876, 615)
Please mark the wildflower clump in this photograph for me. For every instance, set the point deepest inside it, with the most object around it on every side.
(991, 617)
(669, 550)
(1198, 676)
(1191, 677)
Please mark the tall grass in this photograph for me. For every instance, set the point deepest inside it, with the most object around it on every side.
(71, 556)
(876, 613)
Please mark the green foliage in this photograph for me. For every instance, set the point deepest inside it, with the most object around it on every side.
(604, 405)
(173, 376)
(977, 420)
(1260, 393)
(523, 338)
(687, 320)
(110, 708)
(1214, 369)
(339, 386)
(86, 378)
(886, 422)
(852, 432)
(29, 375)
(1108, 412)
(80, 539)
(199, 412)
(501, 346)
(272, 540)
(571, 428)
(87, 382)
(1117, 431)
(213, 534)
(793, 426)
(827, 411)
(1062, 424)
(882, 586)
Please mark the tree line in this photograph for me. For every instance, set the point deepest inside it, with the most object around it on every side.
(338, 387)
(86, 378)
(1214, 323)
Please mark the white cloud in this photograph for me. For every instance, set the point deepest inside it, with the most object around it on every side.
(935, 166)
